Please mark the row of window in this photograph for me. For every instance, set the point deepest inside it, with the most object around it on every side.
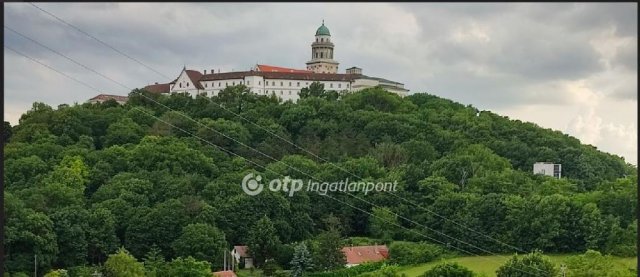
(273, 83)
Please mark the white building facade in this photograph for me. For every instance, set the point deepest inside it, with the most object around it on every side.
(285, 83)
(549, 169)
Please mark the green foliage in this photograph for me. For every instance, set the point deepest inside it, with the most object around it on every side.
(188, 267)
(263, 241)
(270, 267)
(449, 270)
(351, 271)
(533, 264)
(384, 271)
(328, 255)
(302, 260)
(383, 224)
(123, 264)
(201, 241)
(57, 273)
(592, 264)
(406, 253)
(83, 179)
(6, 132)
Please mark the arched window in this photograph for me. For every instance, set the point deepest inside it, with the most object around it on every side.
(321, 56)
(322, 40)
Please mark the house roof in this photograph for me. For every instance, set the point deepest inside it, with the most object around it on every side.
(363, 254)
(226, 273)
(195, 77)
(271, 68)
(105, 97)
(158, 88)
(281, 75)
(242, 250)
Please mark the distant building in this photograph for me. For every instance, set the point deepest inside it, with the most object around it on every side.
(104, 97)
(240, 254)
(549, 169)
(285, 83)
(226, 273)
(362, 254)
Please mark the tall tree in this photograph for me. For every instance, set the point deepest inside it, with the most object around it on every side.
(301, 261)
(203, 242)
(329, 255)
(263, 241)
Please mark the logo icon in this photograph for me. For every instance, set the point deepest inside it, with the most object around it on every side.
(251, 185)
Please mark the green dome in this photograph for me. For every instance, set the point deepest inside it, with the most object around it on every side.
(323, 30)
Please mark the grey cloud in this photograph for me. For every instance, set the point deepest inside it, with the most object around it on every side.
(530, 49)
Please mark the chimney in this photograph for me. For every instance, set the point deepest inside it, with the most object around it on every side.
(156, 83)
(213, 71)
(205, 71)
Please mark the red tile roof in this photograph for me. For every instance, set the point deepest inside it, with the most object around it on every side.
(363, 254)
(158, 88)
(242, 250)
(195, 77)
(281, 75)
(271, 68)
(227, 273)
(105, 97)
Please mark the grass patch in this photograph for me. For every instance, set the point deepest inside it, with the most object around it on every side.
(489, 264)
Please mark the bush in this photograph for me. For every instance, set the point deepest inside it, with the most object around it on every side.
(449, 270)
(533, 264)
(592, 263)
(57, 273)
(351, 271)
(406, 253)
(385, 271)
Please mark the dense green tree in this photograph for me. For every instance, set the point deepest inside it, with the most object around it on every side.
(6, 132)
(188, 267)
(263, 241)
(122, 132)
(329, 255)
(101, 234)
(201, 241)
(123, 264)
(383, 223)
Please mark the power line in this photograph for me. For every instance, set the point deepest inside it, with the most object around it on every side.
(98, 40)
(66, 57)
(108, 78)
(49, 67)
(231, 152)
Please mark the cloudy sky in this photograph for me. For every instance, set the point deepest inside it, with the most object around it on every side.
(568, 67)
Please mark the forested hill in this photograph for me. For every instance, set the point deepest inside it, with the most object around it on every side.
(82, 180)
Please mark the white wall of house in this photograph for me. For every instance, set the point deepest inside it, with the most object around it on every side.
(548, 169)
(286, 89)
(184, 84)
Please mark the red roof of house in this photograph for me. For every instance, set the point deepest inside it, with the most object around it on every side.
(227, 273)
(363, 254)
(105, 97)
(241, 250)
(195, 77)
(271, 68)
(158, 88)
(282, 75)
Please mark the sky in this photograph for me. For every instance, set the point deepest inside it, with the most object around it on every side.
(570, 67)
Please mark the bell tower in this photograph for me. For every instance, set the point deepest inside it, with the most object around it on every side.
(322, 53)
